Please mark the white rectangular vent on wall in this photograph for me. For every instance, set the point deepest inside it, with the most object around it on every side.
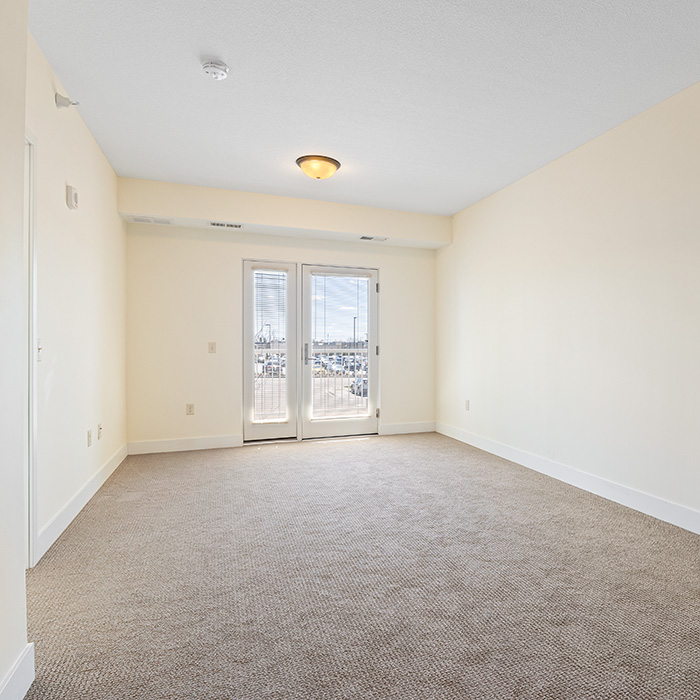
(151, 220)
(224, 224)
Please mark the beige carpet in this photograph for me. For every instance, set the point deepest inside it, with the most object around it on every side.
(408, 567)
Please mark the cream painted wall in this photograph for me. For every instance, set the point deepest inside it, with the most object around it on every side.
(568, 308)
(13, 368)
(264, 213)
(184, 289)
(81, 299)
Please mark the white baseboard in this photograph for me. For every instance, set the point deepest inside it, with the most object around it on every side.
(15, 684)
(404, 428)
(53, 529)
(147, 447)
(682, 516)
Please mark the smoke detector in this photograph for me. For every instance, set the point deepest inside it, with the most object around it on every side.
(215, 69)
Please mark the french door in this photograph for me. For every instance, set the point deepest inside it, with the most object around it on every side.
(310, 351)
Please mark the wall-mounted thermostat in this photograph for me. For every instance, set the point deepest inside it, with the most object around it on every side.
(71, 197)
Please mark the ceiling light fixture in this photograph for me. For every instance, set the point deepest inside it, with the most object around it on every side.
(318, 167)
(215, 69)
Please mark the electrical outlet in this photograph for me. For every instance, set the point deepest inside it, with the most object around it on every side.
(189, 409)
(89, 438)
(99, 431)
(212, 347)
(466, 405)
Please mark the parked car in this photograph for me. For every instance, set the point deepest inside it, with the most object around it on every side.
(275, 367)
(319, 368)
(359, 386)
(352, 365)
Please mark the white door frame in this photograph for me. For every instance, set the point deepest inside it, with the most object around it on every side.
(32, 354)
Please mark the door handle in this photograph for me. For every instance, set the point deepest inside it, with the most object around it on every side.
(306, 353)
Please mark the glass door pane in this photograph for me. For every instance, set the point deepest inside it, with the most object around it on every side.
(270, 345)
(269, 351)
(339, 338)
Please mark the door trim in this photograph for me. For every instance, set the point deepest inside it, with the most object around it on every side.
(30, 273)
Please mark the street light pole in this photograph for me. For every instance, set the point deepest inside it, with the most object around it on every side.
(354, 346)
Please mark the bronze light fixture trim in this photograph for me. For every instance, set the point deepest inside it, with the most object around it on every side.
(318, 167)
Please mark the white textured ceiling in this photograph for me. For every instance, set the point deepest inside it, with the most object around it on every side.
(429, 106)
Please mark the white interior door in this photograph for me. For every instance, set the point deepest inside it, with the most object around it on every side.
(339, 352)
(270, 356)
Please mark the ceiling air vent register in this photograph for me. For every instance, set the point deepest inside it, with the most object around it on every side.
(151, 220)
(224, 224)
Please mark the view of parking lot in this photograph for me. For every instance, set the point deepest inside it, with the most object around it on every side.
(339, 383)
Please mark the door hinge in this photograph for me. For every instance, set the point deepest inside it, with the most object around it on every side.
(377, 349)
(377, 287)
(377, 413)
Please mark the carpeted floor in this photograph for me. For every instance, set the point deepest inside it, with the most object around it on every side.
(408, 567)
